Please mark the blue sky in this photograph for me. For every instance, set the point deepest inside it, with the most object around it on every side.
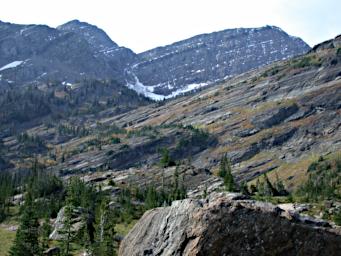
(144, 24)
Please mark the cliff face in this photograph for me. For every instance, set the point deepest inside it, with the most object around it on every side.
(208, 58)
(76, 51)
(229, 224)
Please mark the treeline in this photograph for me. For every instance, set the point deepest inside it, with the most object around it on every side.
(324, 181)
(45, 195)
(57, 100)
(263, 187)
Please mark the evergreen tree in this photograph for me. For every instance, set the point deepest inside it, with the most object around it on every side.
(151, 198)
(26, 242)
(223, 167)
(165, 158)
(44, 234)
(269, 189)
(205, 193)
(66, 231)
(226, 172)
(176, 191)
(244, 188)
(265, 187)
(279, 186)
(106, 231)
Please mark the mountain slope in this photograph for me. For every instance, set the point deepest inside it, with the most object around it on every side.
(209, 58)
(63, 54)
(279, 117)
(74, 51)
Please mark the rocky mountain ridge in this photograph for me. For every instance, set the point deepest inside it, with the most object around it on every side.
(75, 51)
(209, 58)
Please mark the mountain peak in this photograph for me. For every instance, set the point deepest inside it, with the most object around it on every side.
(93, 34)
(75, 24)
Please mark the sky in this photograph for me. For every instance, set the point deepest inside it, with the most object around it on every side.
(144, 24)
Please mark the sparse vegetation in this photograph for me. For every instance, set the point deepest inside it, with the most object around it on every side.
(338, 51)
(225, 171)
(323, 182)
(306, 61)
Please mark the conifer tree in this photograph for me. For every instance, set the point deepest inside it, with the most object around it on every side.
(226, 173)
(106, 231)
(44, 234)
(223, 167)
(151, 198)
(244, 188)
(66, 231)
(26, 242)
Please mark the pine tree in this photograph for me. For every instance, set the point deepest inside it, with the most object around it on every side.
(106, 231)
(26, 242)
(176, 190)
(279, 186)
(223, 167)
(151, 198)
(244, 188)
(269, 189)
(165, 158)
(66, 231)
(228, 178)
(44, 234)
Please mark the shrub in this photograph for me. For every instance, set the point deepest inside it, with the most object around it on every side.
(115, 140)
(338, 51)
(323, 182)
(307, 61)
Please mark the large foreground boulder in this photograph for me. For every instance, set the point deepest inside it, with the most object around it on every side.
(229, 224)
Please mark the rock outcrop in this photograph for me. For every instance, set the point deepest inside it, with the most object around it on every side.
(229, 224)
(76, 51)
(76, 221)
(208, 58)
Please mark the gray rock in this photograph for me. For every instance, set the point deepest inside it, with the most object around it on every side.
(228, 224)
(273, 116)
(58, 225)
(212, 57)
(54, 251)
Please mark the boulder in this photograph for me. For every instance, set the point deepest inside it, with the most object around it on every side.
(76, 220)
(54, 251)
(229, 224)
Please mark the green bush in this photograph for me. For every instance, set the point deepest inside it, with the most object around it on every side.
(323, 182)
(338, 51)
(307, 61)
(115, 140)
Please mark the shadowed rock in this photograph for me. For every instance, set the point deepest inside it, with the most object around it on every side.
(229, 224)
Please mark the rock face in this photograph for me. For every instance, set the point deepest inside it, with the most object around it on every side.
(76, 221)
(229, 224)
(75, 51)
(208, 58)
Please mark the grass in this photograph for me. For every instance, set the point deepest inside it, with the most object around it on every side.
(123, 228)
(6, 240)
(293, 174)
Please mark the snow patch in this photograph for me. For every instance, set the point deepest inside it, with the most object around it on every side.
(148, 91)
(144, 90)
(66, 83)
(12, 65)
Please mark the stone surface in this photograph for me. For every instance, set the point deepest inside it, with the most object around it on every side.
(58, 224)
(208, 58)
(229, 224)
(77, 50)
(54, 251)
